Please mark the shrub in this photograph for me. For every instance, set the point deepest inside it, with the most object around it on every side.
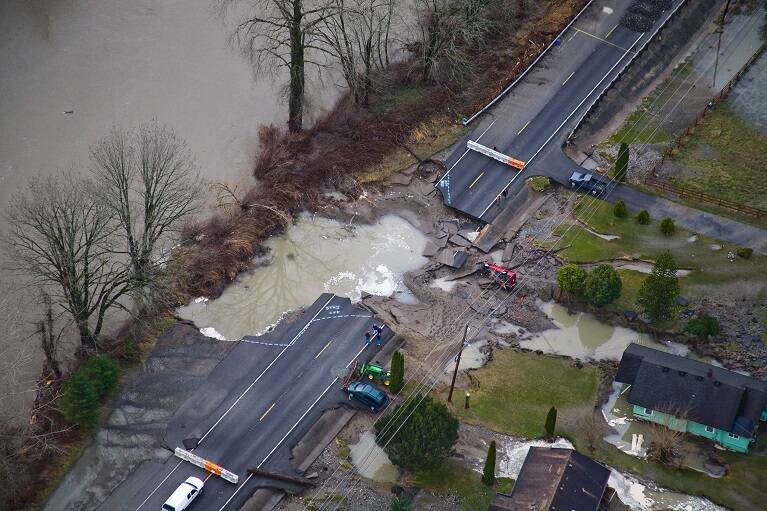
(419, 434)
(603, 285)
(539, 183)
(745, 252)
(397, 372)
(657, 295)
(80, 400)
(401, 503)
(571, 278)
(703, 326)
(103, 372)
(667, 226)
(643, 217)
(488, 473)
(619, 210)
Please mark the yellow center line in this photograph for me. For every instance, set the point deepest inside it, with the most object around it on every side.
(611, 31)
(266, 412)
(323, 349)
(603, 40)
(566, 79)
(475, 181)
(523, 128)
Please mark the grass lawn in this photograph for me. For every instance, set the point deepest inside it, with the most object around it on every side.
(742, 489)
(710, 268)
(517, 389)
(453, 477)
(725, 157)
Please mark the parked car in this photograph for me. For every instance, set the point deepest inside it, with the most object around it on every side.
(588, 183)
(368, 395)
(184, 495)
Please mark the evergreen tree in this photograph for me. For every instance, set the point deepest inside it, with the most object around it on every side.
(620, 210)
(622, 162)
(658, 293)
(397, 372)
(488, 473)
(643, 217)
(103, 372)
(603, 285)
(419, 434)
(80, 400)
(551, 422)
(703, 326)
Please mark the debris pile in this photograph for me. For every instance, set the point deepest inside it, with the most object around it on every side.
(642, 15)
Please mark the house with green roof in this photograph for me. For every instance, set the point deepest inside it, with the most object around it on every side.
(694, 397)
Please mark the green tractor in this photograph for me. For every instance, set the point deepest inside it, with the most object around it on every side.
(375, 372)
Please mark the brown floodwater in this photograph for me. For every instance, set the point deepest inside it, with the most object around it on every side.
(316, 255)
(70, 70)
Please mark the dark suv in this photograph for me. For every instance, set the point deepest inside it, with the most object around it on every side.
(368, 395)
(588, 183)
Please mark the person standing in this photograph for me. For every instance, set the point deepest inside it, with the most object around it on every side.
(367, 337)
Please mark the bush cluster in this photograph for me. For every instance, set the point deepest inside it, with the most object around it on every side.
(600, 286)
(703, 326)
(667, 226)
(84, 389)
(643, 217)
(620, 210)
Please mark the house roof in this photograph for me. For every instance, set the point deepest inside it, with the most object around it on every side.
(688, 388)
(554, 479)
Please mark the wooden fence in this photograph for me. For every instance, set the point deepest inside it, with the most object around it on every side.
(682, 139)
(665, 186)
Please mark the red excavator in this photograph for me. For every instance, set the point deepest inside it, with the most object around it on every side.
(504, 277)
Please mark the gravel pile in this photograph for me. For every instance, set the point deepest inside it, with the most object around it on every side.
(643, 14)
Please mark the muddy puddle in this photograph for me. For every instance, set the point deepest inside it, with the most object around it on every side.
(316, 255)
(371, 461)
(472, 357)
(584, 337)
(629, 490)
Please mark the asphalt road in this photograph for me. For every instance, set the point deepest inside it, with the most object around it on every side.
(532, 122)
(257, 404)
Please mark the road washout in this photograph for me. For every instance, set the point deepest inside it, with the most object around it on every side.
(315, 255)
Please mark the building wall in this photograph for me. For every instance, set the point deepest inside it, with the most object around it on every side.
(738, 444)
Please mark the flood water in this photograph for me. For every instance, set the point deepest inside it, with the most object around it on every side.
(629, 490)
(72, 69)
(371, 461)
(316, 255)
(584, 337)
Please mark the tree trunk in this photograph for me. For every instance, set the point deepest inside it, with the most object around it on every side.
(297, 78)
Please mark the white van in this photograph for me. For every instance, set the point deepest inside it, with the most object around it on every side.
(184, 495)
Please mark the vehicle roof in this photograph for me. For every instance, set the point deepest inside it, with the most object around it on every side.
(368, 389)
(179, 495)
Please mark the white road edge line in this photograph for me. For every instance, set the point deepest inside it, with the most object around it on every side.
(529, 160)
(464, 154)
(266, 458)
(239, 398)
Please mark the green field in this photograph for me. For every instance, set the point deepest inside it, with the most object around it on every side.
(517, 389)
(710, 268)
(725, 157)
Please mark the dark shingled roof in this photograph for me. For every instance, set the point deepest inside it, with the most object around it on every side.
(703, 393)
(554, 479)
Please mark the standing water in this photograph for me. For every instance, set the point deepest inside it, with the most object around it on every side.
(371, 461)
(316, 255)
(583, 336)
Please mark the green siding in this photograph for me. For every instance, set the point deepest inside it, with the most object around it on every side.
(739, 444)
(764, 415)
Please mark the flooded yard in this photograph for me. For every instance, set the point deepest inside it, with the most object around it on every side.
(584, 337)
(371, 461)
(316, 255)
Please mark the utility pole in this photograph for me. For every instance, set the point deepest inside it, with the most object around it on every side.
(457, 361)
(719, 42)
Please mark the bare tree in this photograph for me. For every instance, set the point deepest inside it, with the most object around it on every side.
(356, 35)
(151, 185)
(60, 236)
(666, 436)
(26, 432)
(445, 30)
(276, 35)
(50, 336)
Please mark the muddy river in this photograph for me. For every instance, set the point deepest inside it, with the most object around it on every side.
(315, 256)
(73, 69)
